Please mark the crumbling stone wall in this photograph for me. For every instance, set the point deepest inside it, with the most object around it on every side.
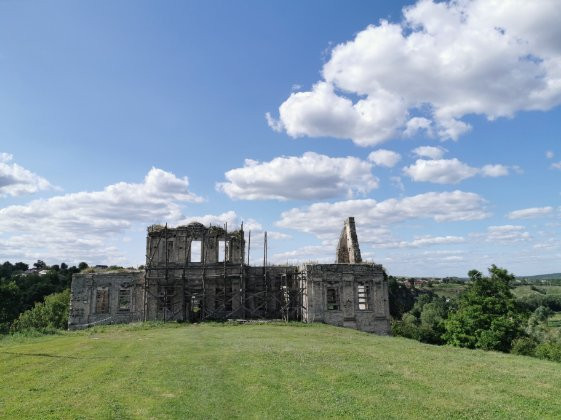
(179, 285)
(106, 298)
(347, 295)
(348, 250)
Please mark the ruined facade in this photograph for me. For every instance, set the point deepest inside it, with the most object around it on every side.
(195, 273)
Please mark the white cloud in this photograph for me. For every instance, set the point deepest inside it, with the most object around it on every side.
(530, 213)
(310, 176)
(556, 165)
(549, 154)
(506, 234)
(444, 61)
(321, 112)
(325, 219)
(424, 241)
(449, 171)
(430, 152)
(383, 157)
(417, 124)
(16, 180)
(85, 225)
(441, 171)
(494, 171)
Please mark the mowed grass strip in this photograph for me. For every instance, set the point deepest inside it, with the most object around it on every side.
(265, 371)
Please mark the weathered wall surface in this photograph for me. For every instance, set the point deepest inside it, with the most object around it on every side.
(106, 298)
(347, 295)
(196, 273)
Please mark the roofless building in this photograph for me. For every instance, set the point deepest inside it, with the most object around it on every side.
(196, 273)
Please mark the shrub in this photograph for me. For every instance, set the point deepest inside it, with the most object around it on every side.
(45, 316)
(549, 350)
(524, 346)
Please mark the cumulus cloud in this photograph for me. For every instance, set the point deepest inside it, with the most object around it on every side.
(416, 124)
(383, 157)
(442, 62)
(15, 180)
(556, 165)
(430, 152)
(82, 225)
(494, 171)
(310, 176)
(530, 213)
(449, 171)
(506, 234)
(549, 154)
(323, 219)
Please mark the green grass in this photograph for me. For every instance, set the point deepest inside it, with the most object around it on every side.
(264, 371)
(447, 290)
(554, 320)
(523, 291)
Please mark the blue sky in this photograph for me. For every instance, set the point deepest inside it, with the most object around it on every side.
(436, 125)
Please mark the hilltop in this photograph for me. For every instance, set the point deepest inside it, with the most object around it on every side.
(264, 370)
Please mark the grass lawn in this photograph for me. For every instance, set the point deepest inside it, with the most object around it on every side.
(265, 371)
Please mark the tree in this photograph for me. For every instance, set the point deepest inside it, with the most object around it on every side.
(401, 298)
(82, 266)
(48, 315)
(40, 265)
(487, 316)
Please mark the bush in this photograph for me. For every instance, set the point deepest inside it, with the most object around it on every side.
(45, 316)
(524, 346)
(425, 321)
(549, 350)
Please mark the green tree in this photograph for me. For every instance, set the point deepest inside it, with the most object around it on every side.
(82, 266)
(487, 316)
(48, 315)
(40, 265)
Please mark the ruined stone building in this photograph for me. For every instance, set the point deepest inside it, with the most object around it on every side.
(195, 273)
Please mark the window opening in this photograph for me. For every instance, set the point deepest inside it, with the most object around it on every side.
(332, 299)
(363, 292)
(223, 250)
(102, 300)
(195, 251)
(124, 300)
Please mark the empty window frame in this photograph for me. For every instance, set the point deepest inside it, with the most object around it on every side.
(125, 300)
(223, 250)
(332, 299)
(363, 296)
(102, 300)
(196, 251)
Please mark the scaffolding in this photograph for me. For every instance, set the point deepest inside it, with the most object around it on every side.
(217, 290)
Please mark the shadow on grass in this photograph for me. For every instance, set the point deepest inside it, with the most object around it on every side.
(58, 356)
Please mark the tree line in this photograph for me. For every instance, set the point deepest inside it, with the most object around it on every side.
(22, 287)
(486, 315)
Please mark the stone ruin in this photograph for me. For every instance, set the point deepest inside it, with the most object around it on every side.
(195, 273)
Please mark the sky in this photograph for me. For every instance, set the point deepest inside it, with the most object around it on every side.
(437, 125)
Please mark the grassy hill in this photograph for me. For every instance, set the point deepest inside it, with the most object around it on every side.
(264, 371)
(540, 277)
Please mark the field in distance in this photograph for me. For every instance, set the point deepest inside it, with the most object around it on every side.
(264, 370)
